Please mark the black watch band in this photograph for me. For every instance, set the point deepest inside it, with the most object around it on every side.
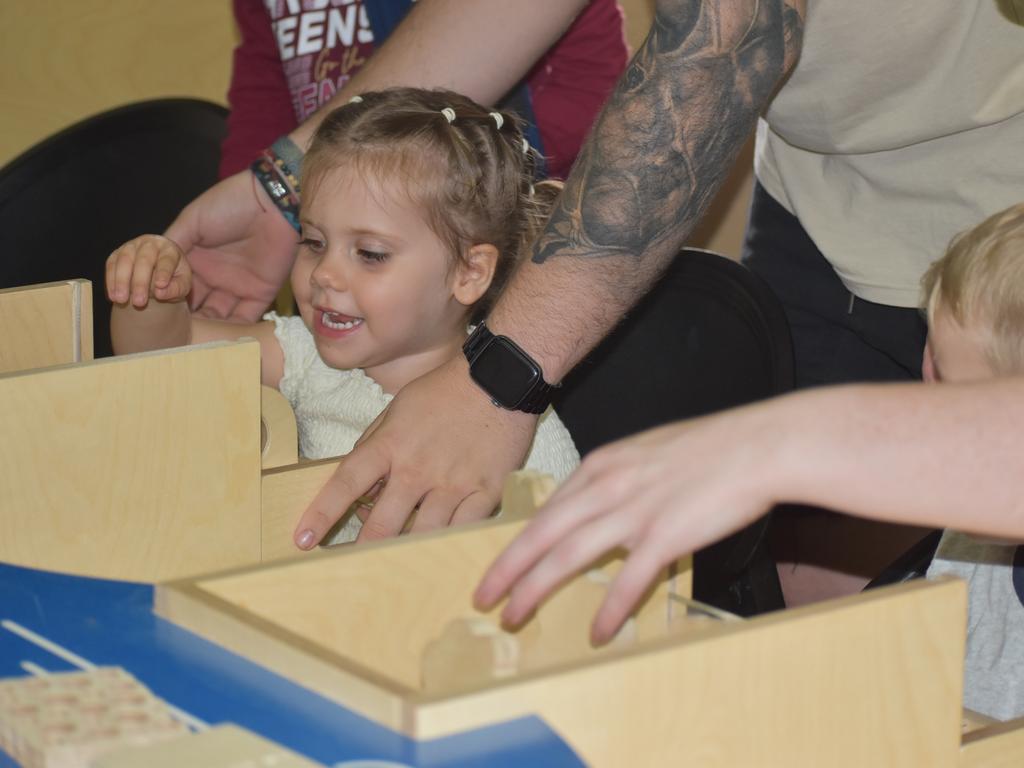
(510, 377)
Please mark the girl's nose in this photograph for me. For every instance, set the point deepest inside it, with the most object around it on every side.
(329, 274)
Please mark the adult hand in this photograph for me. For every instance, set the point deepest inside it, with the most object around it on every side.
(441, 445)
(660, 494)
(239, 246)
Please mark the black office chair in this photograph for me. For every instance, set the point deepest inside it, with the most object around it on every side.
(66, 203)
(711, 335)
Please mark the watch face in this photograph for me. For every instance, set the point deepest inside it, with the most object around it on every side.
(505, 373)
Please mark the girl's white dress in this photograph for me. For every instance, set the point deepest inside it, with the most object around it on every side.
(333, 407)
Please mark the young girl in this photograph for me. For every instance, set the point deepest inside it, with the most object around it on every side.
(416, 205)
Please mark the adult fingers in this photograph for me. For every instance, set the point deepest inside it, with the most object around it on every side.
(640, 569)
(393, 507)
(184, 230)
(563, 560)
(568, 508)
(436, 510)
(356, 473)
(200, 290)
(476, 506)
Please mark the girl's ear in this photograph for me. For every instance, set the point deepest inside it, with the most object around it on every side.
(474, 274)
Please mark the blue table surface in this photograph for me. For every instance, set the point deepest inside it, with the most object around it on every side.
(53, 622)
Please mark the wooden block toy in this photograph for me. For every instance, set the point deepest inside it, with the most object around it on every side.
(873, 679)
(223, 746)
(46, 324)
(65, 720)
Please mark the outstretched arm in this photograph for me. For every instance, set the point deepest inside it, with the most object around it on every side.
(909, 453)
(659, 151)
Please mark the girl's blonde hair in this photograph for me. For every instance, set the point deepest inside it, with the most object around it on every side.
(468, 167)
(980, 281)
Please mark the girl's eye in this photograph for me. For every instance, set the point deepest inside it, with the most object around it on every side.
(311, 243)
(374, 256)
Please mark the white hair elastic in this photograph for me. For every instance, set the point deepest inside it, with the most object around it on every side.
(355, 100)
(498, 119)
(526, 146)
(449, 114)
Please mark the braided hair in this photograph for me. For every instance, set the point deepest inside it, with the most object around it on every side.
(469, 168)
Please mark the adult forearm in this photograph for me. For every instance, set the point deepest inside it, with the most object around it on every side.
(656, 158)
(480, 49)
(945, 455)
(158, 325)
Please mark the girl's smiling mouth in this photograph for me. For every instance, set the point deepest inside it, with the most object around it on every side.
(336, 325)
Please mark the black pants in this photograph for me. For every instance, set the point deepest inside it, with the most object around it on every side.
(836, 337)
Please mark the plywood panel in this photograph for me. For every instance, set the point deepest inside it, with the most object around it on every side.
(46, 324)
(142, 467)
(996, 746)
(870, 680)
(279, 436)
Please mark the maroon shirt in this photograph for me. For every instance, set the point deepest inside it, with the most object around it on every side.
(290, 61)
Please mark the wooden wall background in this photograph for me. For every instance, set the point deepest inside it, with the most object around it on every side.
(63, 60)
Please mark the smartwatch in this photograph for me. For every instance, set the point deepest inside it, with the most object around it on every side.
(510, 377)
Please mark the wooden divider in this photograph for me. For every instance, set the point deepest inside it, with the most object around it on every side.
(46, 324)
(142, 467)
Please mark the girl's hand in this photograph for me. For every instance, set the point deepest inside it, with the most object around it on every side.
(148, 266)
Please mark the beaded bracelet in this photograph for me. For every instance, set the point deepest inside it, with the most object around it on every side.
(289, 155)
(285, 197)
(278, 169)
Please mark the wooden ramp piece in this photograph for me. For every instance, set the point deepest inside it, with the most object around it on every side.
(45, 324)
(144, 467)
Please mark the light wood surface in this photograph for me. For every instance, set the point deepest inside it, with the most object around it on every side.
(64, 61)
(279, 438)
(869, 680)
(995, 746)
(46, 324)
(143, 467)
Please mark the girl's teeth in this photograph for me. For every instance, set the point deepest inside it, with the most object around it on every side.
(348, 325)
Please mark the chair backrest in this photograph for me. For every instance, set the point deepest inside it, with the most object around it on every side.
(711, 335)
(66, 203)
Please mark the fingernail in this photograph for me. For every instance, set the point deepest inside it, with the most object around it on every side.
(306, 540)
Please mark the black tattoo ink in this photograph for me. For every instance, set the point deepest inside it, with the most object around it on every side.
(672, 128)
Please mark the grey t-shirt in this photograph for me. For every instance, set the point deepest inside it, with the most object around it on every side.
(994, 665)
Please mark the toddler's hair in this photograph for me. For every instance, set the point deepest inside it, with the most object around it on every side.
(980, 281)
(468, 167)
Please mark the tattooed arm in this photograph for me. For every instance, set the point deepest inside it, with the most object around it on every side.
(658, 154)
